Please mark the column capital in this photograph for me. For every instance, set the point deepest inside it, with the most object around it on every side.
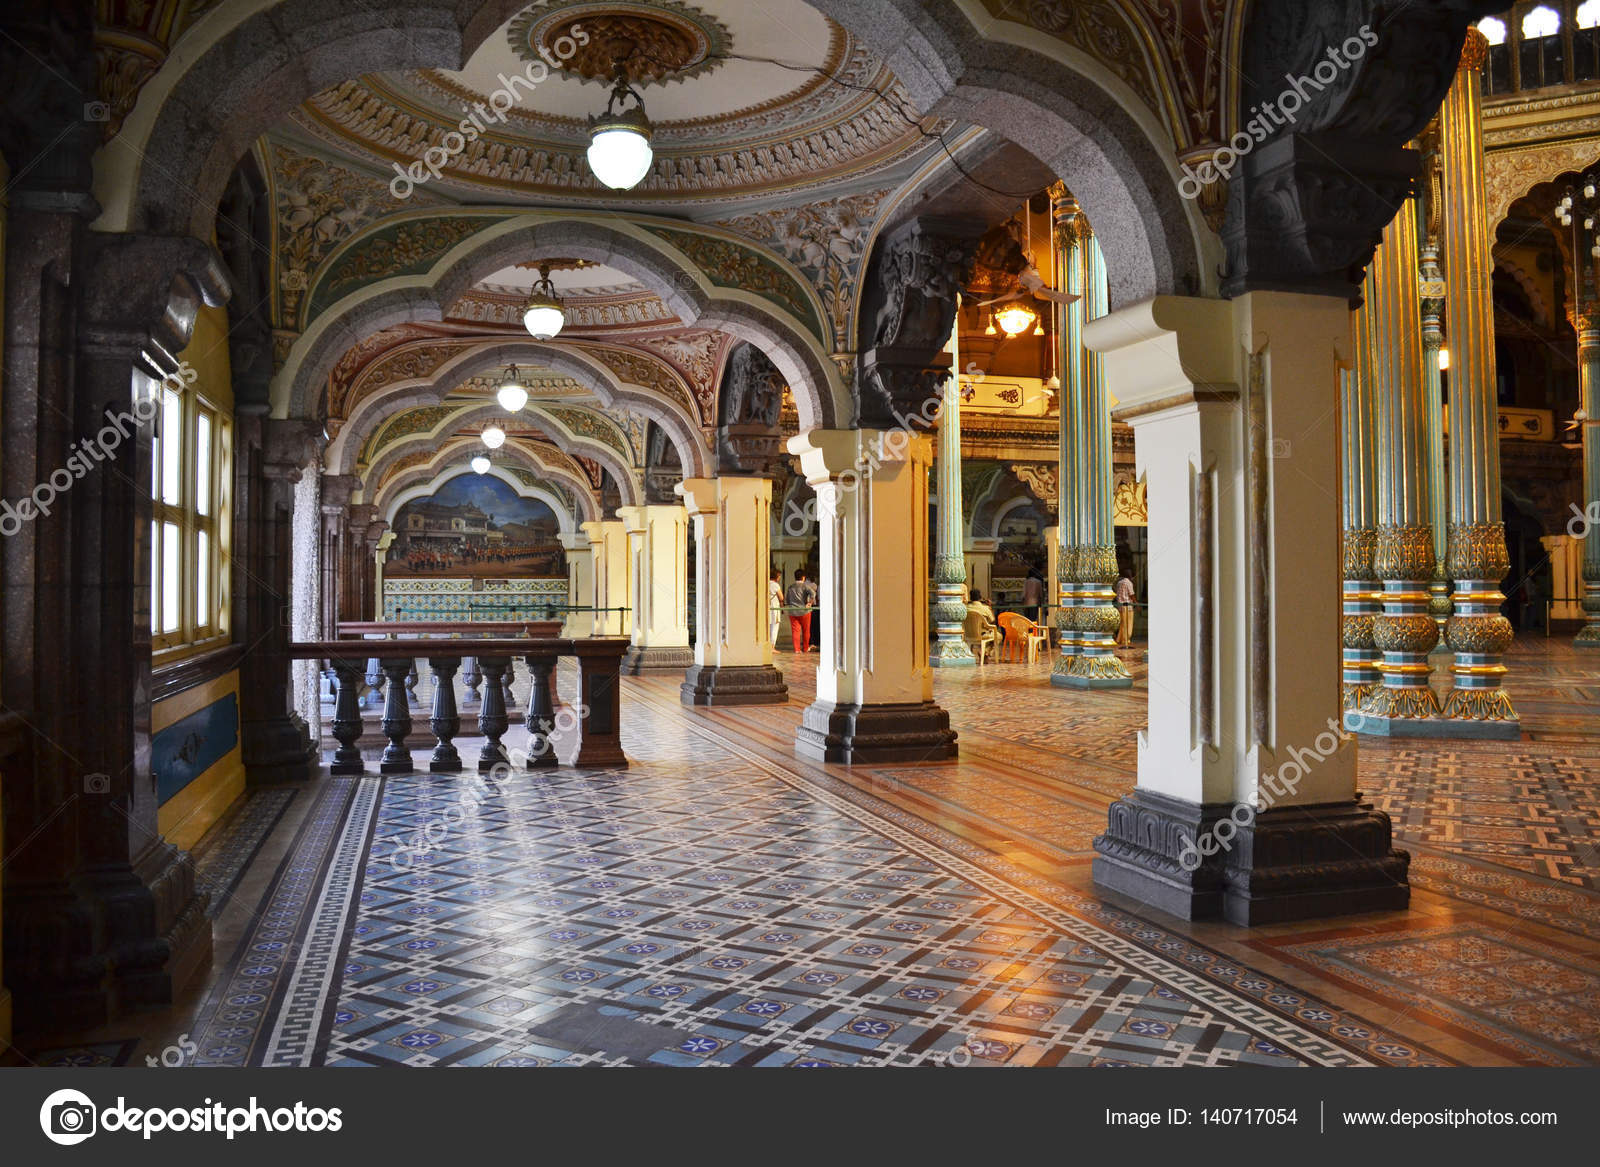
(574, 540)
(699, 495)
(827, 455)
(336, 492)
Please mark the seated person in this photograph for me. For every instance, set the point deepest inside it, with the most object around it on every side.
(979, 629)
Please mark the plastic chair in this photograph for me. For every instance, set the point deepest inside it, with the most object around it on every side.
(980, 637)
(1023, 637)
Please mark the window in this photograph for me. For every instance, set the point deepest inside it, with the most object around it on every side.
(1497, 77)
(1586, 41)
(191, 485)
(1541, 54)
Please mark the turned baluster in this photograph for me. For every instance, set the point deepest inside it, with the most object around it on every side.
(444, 722)
(374, 680)
(412, 677)
(471, 677)
(511, 683)
(346, 717)
(492, 721)
(540, 713)
(396, 718)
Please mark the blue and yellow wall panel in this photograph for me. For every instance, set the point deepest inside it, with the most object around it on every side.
(194, 754)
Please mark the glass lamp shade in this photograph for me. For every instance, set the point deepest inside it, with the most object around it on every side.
(620, 154)
(480, 464)
(511, 396)
(1444, 360)
(1015, 320)
(494, 437)
(543, 317)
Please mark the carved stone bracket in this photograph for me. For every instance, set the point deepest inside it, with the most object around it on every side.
(749, 441)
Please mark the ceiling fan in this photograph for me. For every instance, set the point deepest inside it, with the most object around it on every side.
(1030, 284)
(1581, 420)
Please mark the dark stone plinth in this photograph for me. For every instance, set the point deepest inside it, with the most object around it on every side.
(280, 750)
(1291, 863)
(639, 660)
(875, 734)
(733, 685)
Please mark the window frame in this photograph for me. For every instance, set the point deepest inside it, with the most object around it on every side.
(182, 521)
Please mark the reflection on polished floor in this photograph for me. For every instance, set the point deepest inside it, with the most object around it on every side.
(721, 902)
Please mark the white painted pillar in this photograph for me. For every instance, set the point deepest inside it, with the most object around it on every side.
(980, 566)
(611, 577)
(580, 583)
(874, 683)
(658, 553)
(733, 645)
(1244, 770)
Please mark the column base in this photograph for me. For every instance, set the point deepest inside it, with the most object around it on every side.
(1377, 725)
(951, 654)
(1588, 637)
(875, 734)
(1091, 672)
(280, 750)
(107, 944)
(641, 659)
(733, 685)
(1294, 863)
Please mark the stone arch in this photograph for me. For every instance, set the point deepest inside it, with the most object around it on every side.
(1530, 288)
(819, 392)
(240, 72)
(607, 386)
(565, 441)
(447, 463)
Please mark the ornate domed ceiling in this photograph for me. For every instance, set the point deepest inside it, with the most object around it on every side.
(726, 126)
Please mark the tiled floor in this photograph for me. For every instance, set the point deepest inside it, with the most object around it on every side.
(721, 902)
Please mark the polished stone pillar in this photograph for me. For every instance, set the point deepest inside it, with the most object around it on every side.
(1092, 559)
(658, 549)
(949, 560)
(1403, 554)
(580, 621)
(1246, 803)
(1431, 293)
(1589, 401)
(1477, 558)
(875, 679)
(1362, 594)
(611, 577)
(334, 503)
(1070, 227)
(733, 643)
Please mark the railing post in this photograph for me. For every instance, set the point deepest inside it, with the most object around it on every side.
(471, 677)
(374, 679)
(347, 717)
(445, 722)
(492, 721)
(599, 692)
(396, 717)
(540, 714)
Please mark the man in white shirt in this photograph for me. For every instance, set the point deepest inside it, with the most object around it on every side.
(1125, 610)
(775, 604)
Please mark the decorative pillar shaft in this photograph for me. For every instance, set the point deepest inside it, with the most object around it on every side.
(658, 547)
(1589, 401)
(1431, 292)
(1362, 595)
(1070, 228)
(1403, 554)
(580, 621)
(1476, 553)
(1092, 563)
(949, 558)
(608, 541)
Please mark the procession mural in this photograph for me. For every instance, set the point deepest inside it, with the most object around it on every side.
(476, 526)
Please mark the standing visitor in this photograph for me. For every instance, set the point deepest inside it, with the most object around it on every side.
(1032, 594)
(800, 597)
(1125, 610)
(775, 603)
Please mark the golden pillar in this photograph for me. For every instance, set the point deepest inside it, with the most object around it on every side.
(1476, 557)
(1362, 594)
(1589, 402)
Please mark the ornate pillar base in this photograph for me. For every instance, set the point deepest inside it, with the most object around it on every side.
(1295, 863)
(279, 750)
(875, 734)
(1589, 635)
(645, 658)
(950, 649)
(733, 685)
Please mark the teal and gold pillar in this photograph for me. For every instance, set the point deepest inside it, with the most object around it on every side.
(949, 556)
(1068, 222)
(1362, 595)
(1476, 549)
(1589, 401)
(1403, 557)
(1086, 510)
(1431, 289)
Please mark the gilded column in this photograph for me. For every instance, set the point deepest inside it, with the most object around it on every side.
(1403, 555)
(1431, 289)
(1362, 594)
(1589, 402)
(1070, 232)
(1476, 553)
(1094, 664)
(949, 559)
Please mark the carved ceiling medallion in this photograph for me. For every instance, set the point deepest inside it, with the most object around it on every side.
(663, 41)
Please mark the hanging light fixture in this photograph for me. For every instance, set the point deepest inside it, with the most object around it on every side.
(511, 395)
(1444, 360)
(1015, 319)
(543, 314)
(619, 139)
(480, 464)
(493, 436)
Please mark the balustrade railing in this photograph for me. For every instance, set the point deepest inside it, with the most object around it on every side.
(596, 733)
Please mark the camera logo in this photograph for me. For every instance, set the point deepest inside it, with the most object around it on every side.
(67, 1117)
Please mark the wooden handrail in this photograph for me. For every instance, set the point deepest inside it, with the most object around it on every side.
(423, 646)
(397, 628)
